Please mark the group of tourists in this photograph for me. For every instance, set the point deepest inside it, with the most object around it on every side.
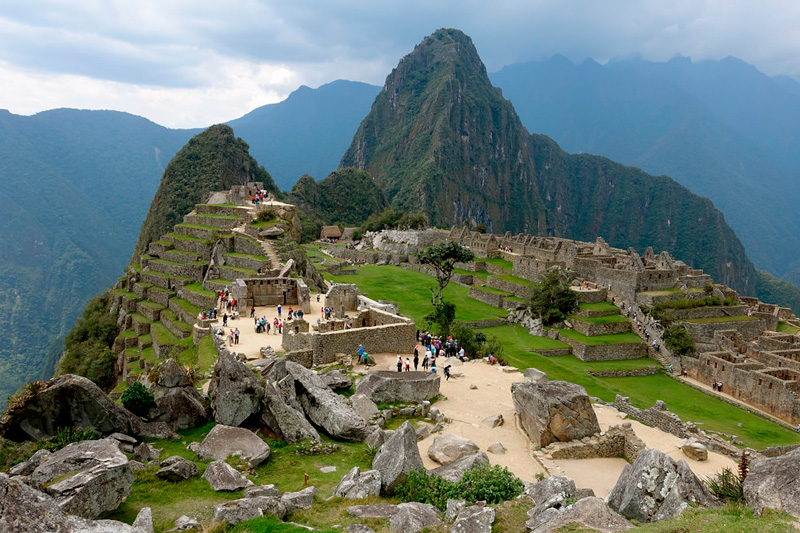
(259, 196)
(717, 386)
(263, 325)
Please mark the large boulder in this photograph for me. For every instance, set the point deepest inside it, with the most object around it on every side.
(176, 469)
(86, 478)
(302, 499)
(397, 457)
(655, 487)
(554, 411)
(694, 449)
(358, 485)
(234, 391)
(26, 510)
(412, 517)
(223, 441)
(591, 513)
(451, 447)
(222, 477)
(456, 470)
(474, 519)
(365, 407)
(285, 420)
(553, 491)
(337, 380)
(774, 483)
(177, 402)
(534, 375)
(66, 401)
(387, 386)
(324, 407)
(244, 509)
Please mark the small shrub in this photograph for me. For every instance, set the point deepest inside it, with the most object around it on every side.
(137, 399)
(678, 340)
(540, 476)
(726, 485)
(64, 436)
(312, 447)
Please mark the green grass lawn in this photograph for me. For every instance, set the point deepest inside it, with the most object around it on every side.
(409, 289)
(618, 338)
(686, 402)
(514, 279)
(601, 319)
(599, 306)
(502, 263)
(720, 319)
(785, 327)
(494, 291)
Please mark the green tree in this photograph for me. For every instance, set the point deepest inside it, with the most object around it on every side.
(678, 340)
(552, 300)
(441, 318)
(443, 259)
(137, 399)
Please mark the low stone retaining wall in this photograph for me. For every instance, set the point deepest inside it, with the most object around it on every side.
(749, 329)
(150, 312)
(201, 248)
(159, 295)
(244, 245)
(657, 416)
(618, 441)
(649, 371)
(591, 329)
(594, 313)
(477, 324)
(461, 279)
(165, 282)
(200, 300)
(193, 271)
(209, 233)
(592, 296)
(605, 352)
(520, 291)
(177, 257)
(705, 312)
(302, 357)
(251, 263)
(489, 298)
(553, 353)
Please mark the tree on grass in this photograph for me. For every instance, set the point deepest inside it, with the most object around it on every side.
(678, 340)
(443, 258)
(552, 300)
(441, 318)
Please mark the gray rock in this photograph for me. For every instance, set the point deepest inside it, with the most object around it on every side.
(492, 421)
(773, 483)
(327, 469)
(25, 468)
(122, 438)
(176, 468)
(136, 465)
(412, 517)
(223, 441)
(554, 411)
(378, 510)
(145, 452)
(694, 449)
(423, 431)
(223, 477)
(180, 407)
(655, 487)
(325, 408)
(359, 528)
(456, 470)
(144, 521)
(365, 407)
(474, 519)
(497, 448)
(591, 513)
(285, 420)
(234, 391)
(453, 508)
(86, 478)
(336, 380)
(358, 485)
(184, 523)
(26, 510)
(397, 457)
(303, 499)
(387, 386)
(376, 438)
(534, 375)
(172, 374)
(553, 491)
(242, 510)
(451, 447)
(262, 490)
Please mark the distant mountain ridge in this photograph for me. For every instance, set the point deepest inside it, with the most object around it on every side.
(442, 139)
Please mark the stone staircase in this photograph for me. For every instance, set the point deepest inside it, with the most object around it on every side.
(269, 252)
(664, 357)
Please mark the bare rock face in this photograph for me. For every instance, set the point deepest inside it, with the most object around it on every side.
(397, 457)
(244, 509)
(694, 449)
(655, 487)
(358, 485)
(302, 499)
(26, 510)
(176, 469)
(284, 419)
(451, 447)
(25, 468)
(336, 380)
(591, 513)
(387, 386)
(223, 441)
(177, 402)
(456, 470)
(534, 375)
(324, 407)
(67, 401)
(474, 519)
(774, 483)
(145, 452)
(234, 391)
(554, 411)
(86, 478)
(365, 407)
(412, 517)
(224, 478)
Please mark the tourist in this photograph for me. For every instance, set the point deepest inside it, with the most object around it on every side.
(447, 373)
(670, 369)
(399, 363)
(714, 385)
(279, 310)
(225, 319)
(317, 298)
(492, 359)
(252, 311)
(275, 325)
(280, 327)
(433, 368)
(236, 335)
(361, 357)
(408, 365)
(719, 386)
(685, 373)
(462, 355)
(416, 358)
(425, 361)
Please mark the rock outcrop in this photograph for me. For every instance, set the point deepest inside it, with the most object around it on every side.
(244, 509)
(774, 483)
(451, 447)
(86, 478)
(234, 391)
(176, 469)
(295, 501)
(223, 441)
(177, 402)
(412, 517)
(456, 470)
(397, 457)
(324, 407)
(357, 485)
(591, 513)
(554, 411)
(474, 519)
(285, 420)
(388, 386)
(655, 487)
(222, 477)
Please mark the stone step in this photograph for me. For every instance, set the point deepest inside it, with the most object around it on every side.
(198, 296)
(251, 262)
(179, 256)
(218, 209)
(199, 231)
(224, 222)
(194, 270)
(165, 281)
(201, 247)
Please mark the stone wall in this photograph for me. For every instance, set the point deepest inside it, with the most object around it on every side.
(657, 416)
(605, 352)
(704, 333)
(618, 441)
(271, 291)
(649, 371)
(591, 329)
(706, 312)
(490, 298)
(342, 296)
(520, 291)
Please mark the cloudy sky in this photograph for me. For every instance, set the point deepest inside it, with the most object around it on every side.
(191, 63)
